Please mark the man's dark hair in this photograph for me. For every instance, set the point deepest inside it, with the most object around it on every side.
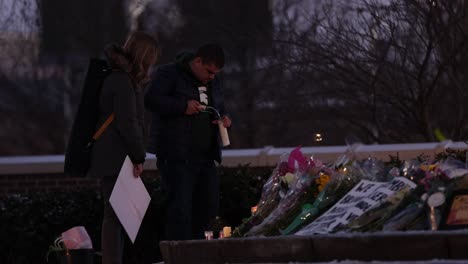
(211, 54)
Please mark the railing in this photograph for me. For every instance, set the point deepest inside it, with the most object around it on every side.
(259, 157)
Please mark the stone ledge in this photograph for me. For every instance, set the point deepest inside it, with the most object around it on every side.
(395, 246)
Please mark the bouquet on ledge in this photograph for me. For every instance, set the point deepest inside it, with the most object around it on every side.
(298, 187)
(393, 202)
(268, 201)
(355, 209)
(437, 180)
(305, 197)
(342, 181)
(440, 180)
(374, 218)
(350, 200)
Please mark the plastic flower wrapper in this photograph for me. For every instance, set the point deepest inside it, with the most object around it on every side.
(269, 199)
(413, 213)
(411, 169)
(449, 172)
(298, 165)
(337, 185)
(439, 181)
(301, 189)
(344, 177)
(372, 169)
(407, 217)
(374, 219)
(453, 168)
(274, 189)
(361, 197)
(431, 178)
(403, 210)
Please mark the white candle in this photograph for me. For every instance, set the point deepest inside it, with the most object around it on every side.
(224, 134)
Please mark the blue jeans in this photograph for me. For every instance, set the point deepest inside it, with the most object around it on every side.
(192, 192)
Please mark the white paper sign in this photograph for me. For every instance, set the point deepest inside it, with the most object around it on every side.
(365, 195)
(129, 199)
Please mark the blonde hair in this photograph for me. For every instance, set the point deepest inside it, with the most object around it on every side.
(142, 51)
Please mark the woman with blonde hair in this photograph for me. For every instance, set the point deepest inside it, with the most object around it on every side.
(121, 103)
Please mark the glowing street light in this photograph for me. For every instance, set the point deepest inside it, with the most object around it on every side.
(318, 137)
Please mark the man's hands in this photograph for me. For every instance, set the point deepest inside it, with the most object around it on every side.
(137, 170)
(193, 107)
(226, 121)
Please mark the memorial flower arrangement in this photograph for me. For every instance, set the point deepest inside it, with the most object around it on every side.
(269, 199)
(355, 196)
(290, 178)
(300, 185)
(435, 179)
(342, 181)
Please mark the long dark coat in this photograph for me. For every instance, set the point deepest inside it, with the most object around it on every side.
(126, 134)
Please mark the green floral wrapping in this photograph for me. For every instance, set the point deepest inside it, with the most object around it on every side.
(374, 219)
(287, 209)
(332, 192)
(268, 202)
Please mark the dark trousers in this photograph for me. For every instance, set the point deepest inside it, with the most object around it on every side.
(112, 232)
(192, 193)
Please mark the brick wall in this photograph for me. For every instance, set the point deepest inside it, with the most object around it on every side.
(11, 184)
(30, 183)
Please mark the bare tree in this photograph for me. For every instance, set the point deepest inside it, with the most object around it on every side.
(20, 109)
(390, 68)
(386, 71)
(42, 66)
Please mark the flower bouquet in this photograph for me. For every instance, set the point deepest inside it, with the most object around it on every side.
(406, 199)
(435, 181)
(374, 218)
(343, 180)
(344, 176)
(440, 180)
(405, 208)
(409, 218)
(365, 195)
(268, 201)
(299, 187)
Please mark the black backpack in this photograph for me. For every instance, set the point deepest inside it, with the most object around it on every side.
(77, 154)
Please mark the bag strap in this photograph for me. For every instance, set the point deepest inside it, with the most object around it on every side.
(103, 127)
(100, 131)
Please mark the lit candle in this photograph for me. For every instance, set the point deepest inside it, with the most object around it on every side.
(253, 209)
(227, 231)
(208, 235)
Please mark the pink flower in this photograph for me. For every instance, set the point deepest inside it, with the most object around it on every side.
(283, 168)
(297, 156)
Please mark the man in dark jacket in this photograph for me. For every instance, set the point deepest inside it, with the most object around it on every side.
(187, 103)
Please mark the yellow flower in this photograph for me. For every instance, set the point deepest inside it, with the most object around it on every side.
(321, 181)
(425, 167)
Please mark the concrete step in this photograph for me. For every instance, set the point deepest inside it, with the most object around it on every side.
(384, 247)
